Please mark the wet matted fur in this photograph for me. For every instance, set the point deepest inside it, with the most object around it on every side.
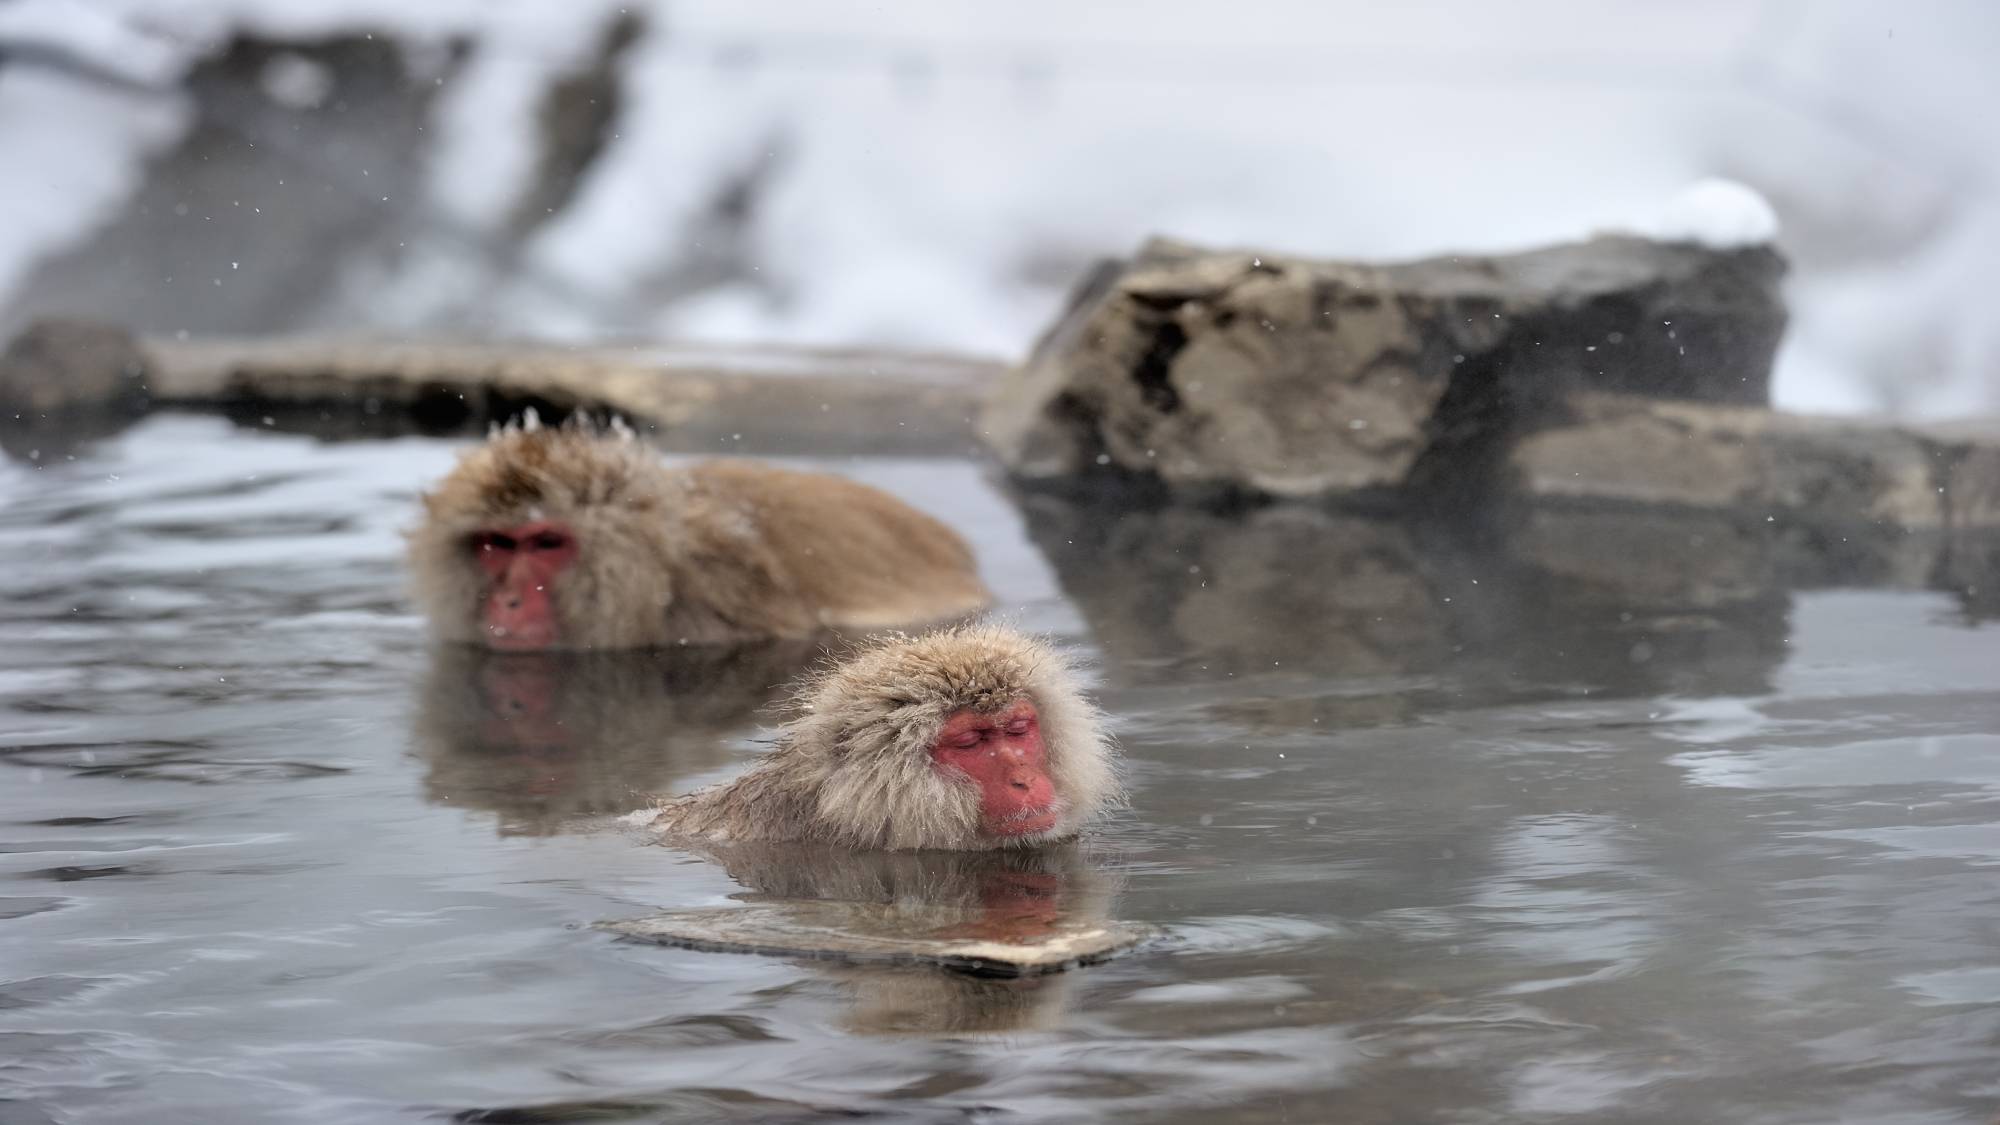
(853, 767)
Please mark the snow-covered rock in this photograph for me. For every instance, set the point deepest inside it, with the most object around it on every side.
(1719, 214)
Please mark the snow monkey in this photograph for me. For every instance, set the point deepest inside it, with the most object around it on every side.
(577, 537)
(962, 739)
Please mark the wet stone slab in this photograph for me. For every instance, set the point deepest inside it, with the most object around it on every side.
(886, 934)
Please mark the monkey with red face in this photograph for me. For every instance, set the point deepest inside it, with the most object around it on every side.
(963, 739)
(576, 537)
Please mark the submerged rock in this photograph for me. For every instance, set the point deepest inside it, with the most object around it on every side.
(878, 933)
(1291, 377)
(1009, 913)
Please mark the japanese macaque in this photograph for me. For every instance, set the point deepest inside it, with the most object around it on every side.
(963, 739)
(549, 740)
(576, 537)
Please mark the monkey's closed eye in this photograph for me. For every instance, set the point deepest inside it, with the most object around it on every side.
(1020, 726)
(548, 541)
(492, 541)
(969, 740)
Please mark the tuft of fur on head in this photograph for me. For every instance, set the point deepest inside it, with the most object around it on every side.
(595, 478)
(853, 767)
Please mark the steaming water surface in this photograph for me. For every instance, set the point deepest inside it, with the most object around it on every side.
(1442, 835)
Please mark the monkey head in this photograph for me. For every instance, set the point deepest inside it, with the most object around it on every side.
(963, 739)
(528, 543)
(579, 538)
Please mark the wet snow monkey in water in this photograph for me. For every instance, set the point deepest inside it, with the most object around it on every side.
(577, 537)
(966, 738)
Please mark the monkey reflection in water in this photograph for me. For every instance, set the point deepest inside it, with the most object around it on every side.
(938, 782)
(547, 739)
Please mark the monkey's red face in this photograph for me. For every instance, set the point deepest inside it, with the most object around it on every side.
(521, 564)
(1003, 755)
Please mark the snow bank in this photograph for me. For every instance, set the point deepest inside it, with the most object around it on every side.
(1719, 214)
(73, 155)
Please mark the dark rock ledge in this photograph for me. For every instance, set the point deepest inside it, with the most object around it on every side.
(64, 379)
(1618, 371)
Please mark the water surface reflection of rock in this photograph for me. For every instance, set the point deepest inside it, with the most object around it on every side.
(1007, 896)
(543, 739)
(1299, 615)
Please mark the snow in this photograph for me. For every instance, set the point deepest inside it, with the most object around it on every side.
(92, 33)
(1719, 214)
(935, 173)
(486, 141)
(73, 154)
(297, 82)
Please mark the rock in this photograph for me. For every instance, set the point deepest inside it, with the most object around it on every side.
(1003, 913)
(737, 400)
(258, 216)
(72, 366)
(574, 124)
(879, 933)
(66, 383)
(1969, 453)
(1679, 566)
(1289, 377)
(1821, 471)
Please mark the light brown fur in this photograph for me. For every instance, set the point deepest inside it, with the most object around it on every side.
(853, 769)
(717, 551)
